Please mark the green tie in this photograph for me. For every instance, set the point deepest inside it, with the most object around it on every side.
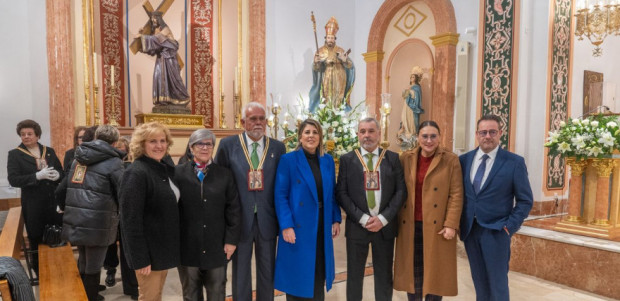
(254, 157)
(370, 194)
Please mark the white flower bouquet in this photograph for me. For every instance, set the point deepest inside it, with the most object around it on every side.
(593, 137)
(339, 128)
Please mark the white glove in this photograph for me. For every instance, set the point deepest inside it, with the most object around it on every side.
(44, 173)
(53, 175)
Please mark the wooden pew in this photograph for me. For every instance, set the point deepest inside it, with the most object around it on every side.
(59, 278)
(11, 243)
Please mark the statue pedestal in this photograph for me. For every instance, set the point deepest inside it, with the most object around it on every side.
(172, 109)
(176, 121)
(594, 199)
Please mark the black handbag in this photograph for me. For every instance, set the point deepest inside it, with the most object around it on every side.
(52, 236)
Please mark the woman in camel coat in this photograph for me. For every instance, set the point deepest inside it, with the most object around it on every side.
(437, 173)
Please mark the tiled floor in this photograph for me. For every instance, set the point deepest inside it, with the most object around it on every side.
(522, 287)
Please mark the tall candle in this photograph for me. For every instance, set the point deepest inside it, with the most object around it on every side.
(236, 87)
(112, 75)
(95, 81)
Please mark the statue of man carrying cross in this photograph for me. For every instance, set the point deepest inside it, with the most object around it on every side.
(169, 92)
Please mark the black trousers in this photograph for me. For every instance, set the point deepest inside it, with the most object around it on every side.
(319, 266)
(382, 261)
(193, 279)
(38, 213)
(418, 267)
(128, 276)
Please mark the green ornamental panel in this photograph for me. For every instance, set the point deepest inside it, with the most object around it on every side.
(498, 58)
(560, 60)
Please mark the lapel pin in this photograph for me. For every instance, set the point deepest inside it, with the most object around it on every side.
(271, 155)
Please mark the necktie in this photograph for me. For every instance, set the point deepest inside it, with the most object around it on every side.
(370, 194)
(480, 173)
(254, 156)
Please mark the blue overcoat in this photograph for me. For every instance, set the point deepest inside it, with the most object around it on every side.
(296, 203)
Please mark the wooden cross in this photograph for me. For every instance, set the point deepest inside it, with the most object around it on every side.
(136, 44)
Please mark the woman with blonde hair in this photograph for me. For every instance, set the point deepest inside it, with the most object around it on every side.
(308, 215)
(149, 211)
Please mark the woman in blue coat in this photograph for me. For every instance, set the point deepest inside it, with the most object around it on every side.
(308, 215)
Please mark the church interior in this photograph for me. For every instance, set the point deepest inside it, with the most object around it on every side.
(536, 64)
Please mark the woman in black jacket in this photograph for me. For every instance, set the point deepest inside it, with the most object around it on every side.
(210, 219)
(35, 169)
(91, 216)
(149, 210)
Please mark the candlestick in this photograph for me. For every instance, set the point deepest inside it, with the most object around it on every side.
(95, 69)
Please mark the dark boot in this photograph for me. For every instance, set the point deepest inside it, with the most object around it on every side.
(91, 285)
(110, 279)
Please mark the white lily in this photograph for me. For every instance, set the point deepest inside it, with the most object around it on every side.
(564, 147)
(575, 121)
(607, 139)
(578, 142)
(594, 151)
(611, 124)
(594, 123)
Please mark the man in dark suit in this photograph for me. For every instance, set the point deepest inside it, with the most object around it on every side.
(371, 214)
(252, 151)
(498, 198)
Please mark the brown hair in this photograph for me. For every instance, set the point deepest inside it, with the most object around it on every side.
(29, 124)
(318, 127)
(76, 134)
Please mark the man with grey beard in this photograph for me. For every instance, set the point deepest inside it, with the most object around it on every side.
(371, 189)
(252, 155)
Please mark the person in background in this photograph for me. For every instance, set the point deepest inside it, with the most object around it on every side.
(425, 261)
(149, 209)
(308, 215)
(251, 151)
(187, 157)
(91, 216)
(210, 220)
(35, 169)
(78, 134)
(371, 190)
(498, 197)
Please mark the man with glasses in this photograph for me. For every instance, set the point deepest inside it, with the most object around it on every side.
(253, 159)
(497, 199)
(371, 190)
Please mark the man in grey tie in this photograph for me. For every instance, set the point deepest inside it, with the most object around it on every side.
(498, 198)
(253, 159)
(372, 202)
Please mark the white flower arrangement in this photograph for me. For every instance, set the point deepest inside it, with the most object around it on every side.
(595, 136)
(339, 128)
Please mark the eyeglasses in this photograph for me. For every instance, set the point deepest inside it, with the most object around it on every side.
(491, 133)
(203, 145)
(257, 118)
(431, 137)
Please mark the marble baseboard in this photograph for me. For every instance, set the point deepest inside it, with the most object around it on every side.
(549, 207)
(584, 263)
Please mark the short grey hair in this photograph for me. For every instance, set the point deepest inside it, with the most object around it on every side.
(369, 119)
(107, 133)
(199, 135)
(252, 105)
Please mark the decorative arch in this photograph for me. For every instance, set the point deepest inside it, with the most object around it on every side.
(443, 81)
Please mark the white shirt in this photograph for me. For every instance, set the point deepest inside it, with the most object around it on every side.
(478, 159)
(259, 148)
(374, 211)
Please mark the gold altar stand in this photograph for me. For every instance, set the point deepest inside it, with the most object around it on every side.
(177, 121)
(594, 198)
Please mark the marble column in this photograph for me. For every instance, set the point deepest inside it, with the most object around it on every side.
(604, 167)
(60, 74)
(444, 84)
(257, 51)
(374, 62)
(577, 168)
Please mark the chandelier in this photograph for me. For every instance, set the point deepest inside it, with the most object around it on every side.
(596, 19)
